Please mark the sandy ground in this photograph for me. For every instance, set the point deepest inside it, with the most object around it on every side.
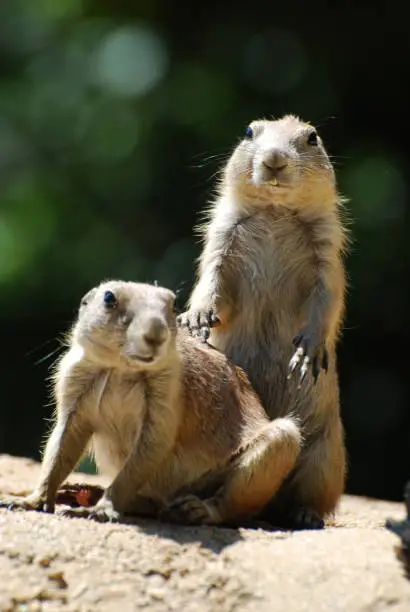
(53, 563)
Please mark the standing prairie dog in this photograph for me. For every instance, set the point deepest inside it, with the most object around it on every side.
(271, 273)
(161, 411)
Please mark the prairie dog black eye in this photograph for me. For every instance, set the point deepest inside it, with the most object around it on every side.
(312, 139)
(249, 132)
(109, 299)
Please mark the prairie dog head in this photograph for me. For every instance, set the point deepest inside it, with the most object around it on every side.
(281, 162)
(126, 324)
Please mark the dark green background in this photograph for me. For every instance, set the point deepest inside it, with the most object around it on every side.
(114, 118)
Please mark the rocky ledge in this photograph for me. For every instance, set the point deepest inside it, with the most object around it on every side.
(53, 563)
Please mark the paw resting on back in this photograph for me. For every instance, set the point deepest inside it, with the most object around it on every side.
(198, 322)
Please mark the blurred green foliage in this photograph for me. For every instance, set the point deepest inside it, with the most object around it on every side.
(114, 119)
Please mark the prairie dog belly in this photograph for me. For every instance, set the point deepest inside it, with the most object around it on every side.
(117, 421)
(271, 268)
(268, 278)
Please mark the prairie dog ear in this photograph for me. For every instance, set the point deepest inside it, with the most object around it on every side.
(169, 294)
(88, 297)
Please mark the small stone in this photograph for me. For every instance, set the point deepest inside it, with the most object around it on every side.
(45, 561)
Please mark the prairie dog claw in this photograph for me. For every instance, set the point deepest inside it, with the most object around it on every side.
(308, 352)
(198, 322)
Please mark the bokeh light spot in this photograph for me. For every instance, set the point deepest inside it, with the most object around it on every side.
(130, 61)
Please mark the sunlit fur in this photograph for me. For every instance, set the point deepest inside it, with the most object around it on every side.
(272, 264)
(156, 427)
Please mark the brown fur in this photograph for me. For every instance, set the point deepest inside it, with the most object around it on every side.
(161, 411)
(271, 268)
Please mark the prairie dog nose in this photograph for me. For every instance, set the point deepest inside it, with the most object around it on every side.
(275, 160)
(156, 331)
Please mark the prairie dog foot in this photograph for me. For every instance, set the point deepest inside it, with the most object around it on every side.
(190, 510)
(31, 502)
(305, 518)
(198, 322)
(102, 512)
(308, 352)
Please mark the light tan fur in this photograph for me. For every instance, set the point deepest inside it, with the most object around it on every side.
(271, 271)
(161, 411)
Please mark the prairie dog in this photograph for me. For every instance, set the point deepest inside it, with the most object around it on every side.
(270, 274)
(161, 411)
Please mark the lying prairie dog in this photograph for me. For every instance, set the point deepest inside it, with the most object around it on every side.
(161, 412)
